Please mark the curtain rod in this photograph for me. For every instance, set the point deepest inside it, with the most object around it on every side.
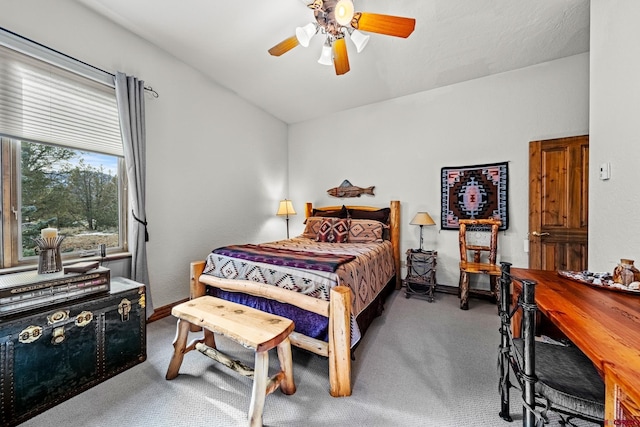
(31, 47)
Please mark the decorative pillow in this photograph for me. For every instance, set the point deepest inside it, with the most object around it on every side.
(334, 230)
(381, 215)
(312, 226)
(365, 231)
(338, 213)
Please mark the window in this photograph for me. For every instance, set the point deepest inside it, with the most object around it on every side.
(77, 192)
(61, 155)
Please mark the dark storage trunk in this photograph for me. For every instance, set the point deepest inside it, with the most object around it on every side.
(50, 355)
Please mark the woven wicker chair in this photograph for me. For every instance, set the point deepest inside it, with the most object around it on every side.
(552, 377)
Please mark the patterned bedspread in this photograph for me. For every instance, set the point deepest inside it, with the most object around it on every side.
(366, 275)
(285, 257)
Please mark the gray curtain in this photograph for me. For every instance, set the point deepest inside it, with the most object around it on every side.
(130, 99)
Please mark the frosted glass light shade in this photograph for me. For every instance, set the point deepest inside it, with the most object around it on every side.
(344, 12)
(304, 34)
(359, 39)
(326, 57)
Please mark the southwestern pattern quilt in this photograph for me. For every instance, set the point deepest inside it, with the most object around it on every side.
(474, 192)
(369, 268)
(286, 257)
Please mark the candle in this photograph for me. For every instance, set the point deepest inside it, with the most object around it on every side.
(49, 233)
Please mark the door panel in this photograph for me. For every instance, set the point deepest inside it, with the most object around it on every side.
(554, 208)
(558, 203)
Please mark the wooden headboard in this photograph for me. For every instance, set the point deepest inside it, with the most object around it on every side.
(394, 228)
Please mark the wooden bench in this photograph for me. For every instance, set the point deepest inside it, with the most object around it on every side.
(252, 328)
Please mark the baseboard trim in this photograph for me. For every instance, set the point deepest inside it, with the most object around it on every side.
(164, 311)
(477, 293)
(453, 290)
(446, 289)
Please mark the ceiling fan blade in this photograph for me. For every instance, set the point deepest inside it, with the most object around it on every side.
(389, 25)
(341, 59)
(284, 46)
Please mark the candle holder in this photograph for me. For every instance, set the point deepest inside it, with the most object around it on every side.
(49, 260)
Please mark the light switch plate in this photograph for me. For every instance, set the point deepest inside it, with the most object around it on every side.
(605, 171)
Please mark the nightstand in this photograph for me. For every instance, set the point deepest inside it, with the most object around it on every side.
(421, 274)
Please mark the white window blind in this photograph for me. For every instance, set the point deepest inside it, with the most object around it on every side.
(44, 103)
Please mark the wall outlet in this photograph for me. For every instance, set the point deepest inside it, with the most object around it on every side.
(605, 171)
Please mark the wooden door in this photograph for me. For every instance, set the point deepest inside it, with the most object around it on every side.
(558, 203)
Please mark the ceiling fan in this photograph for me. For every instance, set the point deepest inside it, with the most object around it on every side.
(337, 19)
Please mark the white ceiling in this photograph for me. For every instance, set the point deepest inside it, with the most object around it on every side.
(454, 41)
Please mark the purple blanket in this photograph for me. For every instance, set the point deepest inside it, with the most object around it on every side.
(285, 257)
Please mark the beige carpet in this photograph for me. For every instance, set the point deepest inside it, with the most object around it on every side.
(420, 364)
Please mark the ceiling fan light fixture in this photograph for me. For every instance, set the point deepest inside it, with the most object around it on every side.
(337, 20)
(304, 34)
(344, 12)
(326, 56)
(359, 39)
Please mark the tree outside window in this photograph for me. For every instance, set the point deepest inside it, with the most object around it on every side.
(75, 191)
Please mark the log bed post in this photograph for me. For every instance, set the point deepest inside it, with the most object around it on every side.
(308, 209)
(196, 287)
(340, 341)
(394, 234)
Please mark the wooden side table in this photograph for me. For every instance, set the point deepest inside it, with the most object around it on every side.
(421, 274)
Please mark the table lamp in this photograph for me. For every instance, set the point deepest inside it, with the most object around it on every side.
(285, 209)
(421, 219)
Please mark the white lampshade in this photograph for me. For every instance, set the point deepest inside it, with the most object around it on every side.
(359, 39)
(422, 218)
(304, 34)
(285, 208)
(326, 57)
(344, 12)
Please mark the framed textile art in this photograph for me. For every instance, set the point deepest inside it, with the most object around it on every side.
(474, 192)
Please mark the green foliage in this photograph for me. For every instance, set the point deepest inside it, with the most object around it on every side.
(93, 196)
(43, 184)
(31, 230)
(60, 190)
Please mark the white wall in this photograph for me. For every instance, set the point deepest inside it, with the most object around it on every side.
(204, 190)
(614, 229)
(400, 146)
(216, 165)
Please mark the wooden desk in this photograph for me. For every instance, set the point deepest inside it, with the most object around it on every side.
(605, 325)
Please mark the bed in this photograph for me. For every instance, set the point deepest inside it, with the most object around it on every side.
(332, 289)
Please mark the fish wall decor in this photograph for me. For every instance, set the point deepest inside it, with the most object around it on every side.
(346, 189)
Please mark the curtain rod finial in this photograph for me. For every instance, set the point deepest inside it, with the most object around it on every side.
(153, 92)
